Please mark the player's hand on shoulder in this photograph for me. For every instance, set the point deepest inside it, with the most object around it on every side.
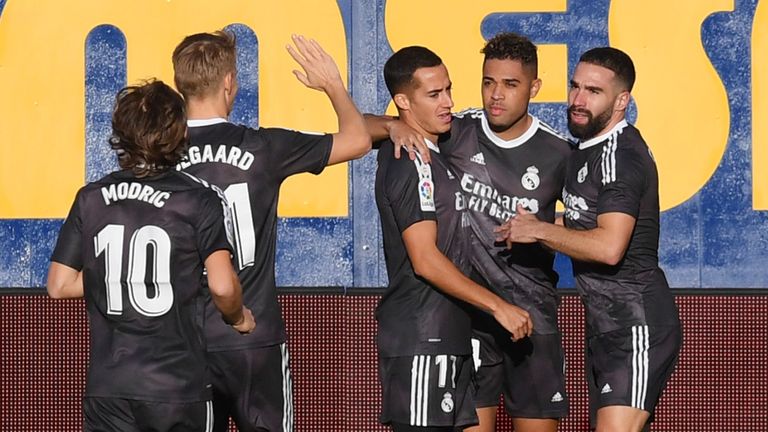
(404, 136)
(247, 324)
(516, 320)
(320, 70)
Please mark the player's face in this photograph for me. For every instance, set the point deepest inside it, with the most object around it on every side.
(593, 100)
(507, 88)
(429, 101)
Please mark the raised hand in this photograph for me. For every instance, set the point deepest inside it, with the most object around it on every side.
(320, 70)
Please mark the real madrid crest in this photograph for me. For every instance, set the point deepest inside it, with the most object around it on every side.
(531, 178)
(447, 403)
(582, 174)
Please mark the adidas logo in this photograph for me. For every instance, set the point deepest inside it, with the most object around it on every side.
(557, 397)
(478, 159)
(606, 389)
(450, 175)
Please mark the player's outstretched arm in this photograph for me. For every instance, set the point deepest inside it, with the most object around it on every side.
(428, 262)
(226, 292)
(64, 281)
(605, 244)
(321, 73)
(381, 127)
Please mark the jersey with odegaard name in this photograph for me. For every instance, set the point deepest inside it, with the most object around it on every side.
(615, 172)
(413, 316)
(496, 176)
(141, 244)
(249, 165)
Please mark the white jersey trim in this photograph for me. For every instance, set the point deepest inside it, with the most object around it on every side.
(206, 122)
(608, 162)
(432, 146)
(617, 129)
(517, 142)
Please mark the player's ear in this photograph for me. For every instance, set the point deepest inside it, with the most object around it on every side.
(535, 87)
(622, 101)
(401, 101)
(229, 83)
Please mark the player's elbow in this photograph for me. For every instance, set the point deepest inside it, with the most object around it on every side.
(424, 267)
(360, 144)
(223, 289)
(55, 292)
(613, 255)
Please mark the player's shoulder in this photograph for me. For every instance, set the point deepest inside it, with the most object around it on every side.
(467, 117)
(401, 167)
(195, 185)
(549, 138)
(550, 131)
(630, 142)
(278, 132)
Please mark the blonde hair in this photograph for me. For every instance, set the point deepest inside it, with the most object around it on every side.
(201, 61)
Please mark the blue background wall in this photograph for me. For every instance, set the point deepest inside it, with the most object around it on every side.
(713, 240)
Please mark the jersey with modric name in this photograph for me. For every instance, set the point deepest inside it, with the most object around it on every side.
(615, 172)
(141, 244)
(497, 176)
(413, 316)
(249, 165)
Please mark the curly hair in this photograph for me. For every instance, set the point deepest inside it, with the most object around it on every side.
(202, 60)
(149, 126)
(512, 46)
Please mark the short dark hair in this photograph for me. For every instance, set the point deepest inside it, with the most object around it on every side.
(512, 46)
(615, 60)
(202, 60)
(149, 125)
(399, 69)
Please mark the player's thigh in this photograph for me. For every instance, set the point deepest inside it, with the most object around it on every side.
(254, 387)
(631, 367)
(489, 370)
(534, 378)
(428, 390)
(173, 417)
(108, 414)
(114, 414)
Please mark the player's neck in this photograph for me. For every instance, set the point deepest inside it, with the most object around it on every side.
(516, 130)
(616, 118)
(202, 109)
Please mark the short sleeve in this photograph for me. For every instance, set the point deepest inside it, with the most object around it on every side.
(293, 152)
(69, 245)
(214, 229)
(623, 184)
(411, 192)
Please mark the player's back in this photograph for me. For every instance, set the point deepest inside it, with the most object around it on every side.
(142, 240)
(249, 165)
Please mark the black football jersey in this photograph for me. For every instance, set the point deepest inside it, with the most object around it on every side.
(249, 165)
(413, 316)
(615, 172)
(141, 244)
(497, 176)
